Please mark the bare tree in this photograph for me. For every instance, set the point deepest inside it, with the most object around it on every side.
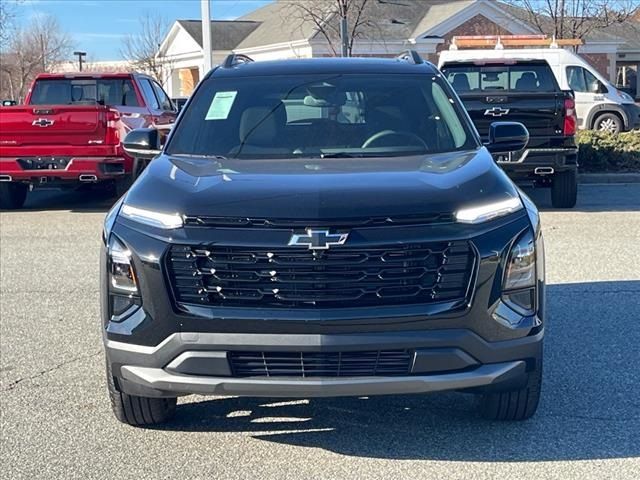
(38, 47)
(7, 19)
(141, 49)
(574, 18)
(325, 16)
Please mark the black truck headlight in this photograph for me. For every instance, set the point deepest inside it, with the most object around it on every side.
(519, 285)
(122, 277)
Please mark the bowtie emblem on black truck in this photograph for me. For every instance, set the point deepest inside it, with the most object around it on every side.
(496, 111)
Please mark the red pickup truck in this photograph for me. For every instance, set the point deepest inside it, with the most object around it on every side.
(69, 131)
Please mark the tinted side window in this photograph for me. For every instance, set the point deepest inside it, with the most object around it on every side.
(163, 98)
(592, 82)
(575, 78)
(149, 95)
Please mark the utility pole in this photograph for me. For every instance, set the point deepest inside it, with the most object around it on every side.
(344, 28)
(344, 36)
(206, 35)
(80, 55)
(43, 53)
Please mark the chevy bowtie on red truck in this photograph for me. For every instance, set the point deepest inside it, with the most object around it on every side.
(68, 132)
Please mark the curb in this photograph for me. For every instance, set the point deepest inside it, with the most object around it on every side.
(593, 178)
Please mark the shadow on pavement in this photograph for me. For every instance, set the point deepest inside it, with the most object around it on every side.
(589, 410)
(623, 197)
(90, 200)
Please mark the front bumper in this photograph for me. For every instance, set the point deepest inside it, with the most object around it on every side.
(187, 363)
(162, 380)
(632, 111)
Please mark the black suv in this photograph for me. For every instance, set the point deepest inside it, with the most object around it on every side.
(323, 227)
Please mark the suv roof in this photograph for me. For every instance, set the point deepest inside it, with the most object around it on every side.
(323, 65)
(86, 75)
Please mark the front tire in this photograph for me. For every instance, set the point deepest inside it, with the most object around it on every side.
(608, 122)
(138, 411)
(13, 195)
(514, 405)
(122, 184)
(564, 189)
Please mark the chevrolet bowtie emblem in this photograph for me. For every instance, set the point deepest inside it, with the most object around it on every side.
(496, 111)
(318, 239)
(42, 122)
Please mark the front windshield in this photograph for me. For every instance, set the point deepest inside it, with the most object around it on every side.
(348, 115)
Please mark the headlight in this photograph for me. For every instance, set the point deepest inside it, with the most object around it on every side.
(520, 275)
(151, 217)
(122, 277)
(483, 213)
(625, 96)
(110, 219)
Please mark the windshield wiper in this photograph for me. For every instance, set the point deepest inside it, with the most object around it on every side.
(347, 155)
(199, 155)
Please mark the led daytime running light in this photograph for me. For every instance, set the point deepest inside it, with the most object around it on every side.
(152, 218)
(483, 213)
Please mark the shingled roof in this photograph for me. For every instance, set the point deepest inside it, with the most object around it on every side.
(225, 34)
(276, 23)
(394, 20)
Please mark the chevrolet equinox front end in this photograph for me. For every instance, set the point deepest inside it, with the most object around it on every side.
(323, 228)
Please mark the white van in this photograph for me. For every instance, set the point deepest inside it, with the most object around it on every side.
(599, 104)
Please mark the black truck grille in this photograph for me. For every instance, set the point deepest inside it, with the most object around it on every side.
(340, 277)
(320, 364)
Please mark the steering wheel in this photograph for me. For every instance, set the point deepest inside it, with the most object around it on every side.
(386, 133)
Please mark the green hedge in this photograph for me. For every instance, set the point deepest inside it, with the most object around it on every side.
(606, 152)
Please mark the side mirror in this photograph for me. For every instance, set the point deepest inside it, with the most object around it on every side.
(507, 137)
(143, 143)
(597, 87)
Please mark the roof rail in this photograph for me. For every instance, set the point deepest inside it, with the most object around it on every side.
(236, 59)
(499, 42)
(410, 56)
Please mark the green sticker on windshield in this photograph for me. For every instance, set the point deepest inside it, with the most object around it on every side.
(221, 105)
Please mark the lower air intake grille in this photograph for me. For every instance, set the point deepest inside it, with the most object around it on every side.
(348, 276)
(320, 364)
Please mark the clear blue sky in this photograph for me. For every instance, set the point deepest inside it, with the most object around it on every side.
(98, 26)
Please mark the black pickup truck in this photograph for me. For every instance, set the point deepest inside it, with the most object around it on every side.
(524, 91)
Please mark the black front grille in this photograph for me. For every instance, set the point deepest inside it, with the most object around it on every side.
(210, 221)
(343, 276)
(320, 364)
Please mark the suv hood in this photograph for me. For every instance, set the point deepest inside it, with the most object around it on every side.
(319, 189)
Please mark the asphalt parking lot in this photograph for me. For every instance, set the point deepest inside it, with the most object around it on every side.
(56, 421)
